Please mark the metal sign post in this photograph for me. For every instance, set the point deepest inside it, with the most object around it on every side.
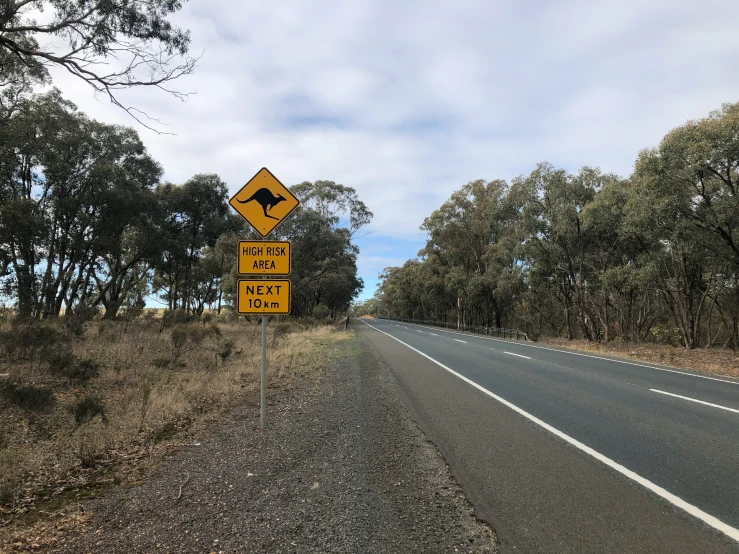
(264, 203)
(263, 409)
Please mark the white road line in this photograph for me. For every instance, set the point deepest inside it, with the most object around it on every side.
(646, 483)
(404, 327)
(434, 334)
(591, 356)
(419, 330)
(464, 341)
(513, 354)
(696, 400)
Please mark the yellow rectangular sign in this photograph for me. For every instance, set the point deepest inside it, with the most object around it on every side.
(264, 257)
(267, 296)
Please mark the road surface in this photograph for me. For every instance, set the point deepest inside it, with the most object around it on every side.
(568, 452)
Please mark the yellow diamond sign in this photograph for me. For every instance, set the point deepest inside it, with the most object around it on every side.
(264, 202)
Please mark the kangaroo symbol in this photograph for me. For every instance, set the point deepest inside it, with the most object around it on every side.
(266, 199)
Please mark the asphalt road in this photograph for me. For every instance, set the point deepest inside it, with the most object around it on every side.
(566, 452)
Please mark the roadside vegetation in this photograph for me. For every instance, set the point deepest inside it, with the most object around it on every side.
(83, 410)
(650, 258)
(94, 385)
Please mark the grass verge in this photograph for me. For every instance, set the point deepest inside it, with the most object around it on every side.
(83, 412)
(709, 360)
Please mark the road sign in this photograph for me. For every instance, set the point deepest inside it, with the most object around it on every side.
(264, 257)
(269, 296)
(264, 202)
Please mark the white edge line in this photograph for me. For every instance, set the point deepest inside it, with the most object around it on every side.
(585, 355)
(646, 483)
(696, 400)
(464, 341)
(514, 354)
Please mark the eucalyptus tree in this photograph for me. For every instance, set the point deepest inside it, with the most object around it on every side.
(196, 214)
(334, 202)
(75, 194)
(687, 200)
(109, 44)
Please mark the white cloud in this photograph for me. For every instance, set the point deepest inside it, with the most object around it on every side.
(410, 100)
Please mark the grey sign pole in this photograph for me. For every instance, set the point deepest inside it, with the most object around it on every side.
(264, 370)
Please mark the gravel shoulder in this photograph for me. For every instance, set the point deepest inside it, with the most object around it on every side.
(342, 467)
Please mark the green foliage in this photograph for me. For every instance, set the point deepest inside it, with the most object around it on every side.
(161, 363)
(86, 408)
(225, 349)
(87, 453)
(165, 432)
(7, 493)
(179, 337)
(321, 311)
(77, 320)
(33, 340)
(75, 370)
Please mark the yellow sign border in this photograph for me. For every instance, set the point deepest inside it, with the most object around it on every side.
(231, 200)
(267, 242)
(263, 282)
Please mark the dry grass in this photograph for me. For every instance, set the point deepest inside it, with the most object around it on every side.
(156, 396)
(713, 360)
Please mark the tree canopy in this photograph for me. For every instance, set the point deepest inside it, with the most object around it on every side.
(85, 221)
(109, 44)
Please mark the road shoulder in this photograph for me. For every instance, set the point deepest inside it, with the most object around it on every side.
(342, 468)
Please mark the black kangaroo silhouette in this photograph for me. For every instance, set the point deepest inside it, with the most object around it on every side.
(266, 199)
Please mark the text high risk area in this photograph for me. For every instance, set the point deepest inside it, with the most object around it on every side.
(276, 251)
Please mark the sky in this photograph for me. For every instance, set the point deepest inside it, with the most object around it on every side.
(408, 101)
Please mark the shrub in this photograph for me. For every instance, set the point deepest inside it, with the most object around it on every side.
(28, 397)
(67, 365)
(225, 349)
(59, 364)
(87, 408)
(77, 320)
(196, 335)
(180, 316)
(106, 329)
(228, 315)
(88, 453)
(174, 318)
(33, 340)
(179, 338)
(281, 329)
(7, 493)
(167, 431)
(161, 363)
(321, 311)
(83, 370)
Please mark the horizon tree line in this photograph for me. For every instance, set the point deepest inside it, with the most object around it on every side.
(650, 257)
